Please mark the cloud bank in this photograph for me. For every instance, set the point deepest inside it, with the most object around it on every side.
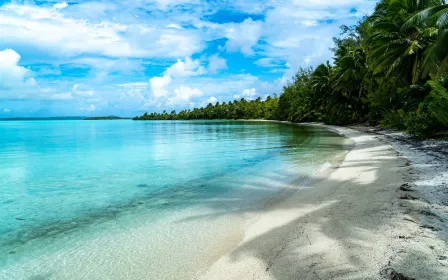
(127, 57)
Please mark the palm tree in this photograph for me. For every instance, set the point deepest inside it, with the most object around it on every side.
(321, 87)
(435, 19)
(395, 47)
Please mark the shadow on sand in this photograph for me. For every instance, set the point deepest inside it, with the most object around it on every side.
(354, 223)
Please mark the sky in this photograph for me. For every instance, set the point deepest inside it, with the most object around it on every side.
(94, 58)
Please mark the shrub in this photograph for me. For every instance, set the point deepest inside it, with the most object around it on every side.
(432, 114)
(437, 101)
(422, 123)
(394, 119)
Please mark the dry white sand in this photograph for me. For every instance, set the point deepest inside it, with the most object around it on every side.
(354, 222)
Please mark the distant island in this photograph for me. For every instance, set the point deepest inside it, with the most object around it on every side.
(42, 119)
(105, 118)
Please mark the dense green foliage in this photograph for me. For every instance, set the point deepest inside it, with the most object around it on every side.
(390, 69)
(243, 109)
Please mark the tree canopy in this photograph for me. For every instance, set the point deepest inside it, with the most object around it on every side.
(238, 109)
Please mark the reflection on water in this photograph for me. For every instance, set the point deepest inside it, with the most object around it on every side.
(72, 189)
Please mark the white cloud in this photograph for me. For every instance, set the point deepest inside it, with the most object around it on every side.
(232, 87)
(52, 32)
(31, 82)
(183, 95)
(244, 36)
(82, 90)
(6, 110)
(12, 75)
(47, 28)
(314, 23)
(264, 62)
(134, 91)
(166, 95)
(115, 44)
(216, 63)
(136, 84)
(158, 86)
(224, 87)
(89, 108)
(61, 5)
(186, 68)
(103, 67)
(249, 93)
(269, 62)
(212, 100)
(174, 25)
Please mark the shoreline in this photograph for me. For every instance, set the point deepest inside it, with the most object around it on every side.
(364, 214)
(360, 219)
(138, 244)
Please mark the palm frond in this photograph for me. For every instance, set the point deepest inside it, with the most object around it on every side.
(421, 18)
(413, 48)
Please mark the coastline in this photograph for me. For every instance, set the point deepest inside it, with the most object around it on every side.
(368, 212)
(134, 242)
(360, 219)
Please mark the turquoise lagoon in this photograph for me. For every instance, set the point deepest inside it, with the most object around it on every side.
(142, 200)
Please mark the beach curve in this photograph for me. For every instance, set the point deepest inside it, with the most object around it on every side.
(354, 222)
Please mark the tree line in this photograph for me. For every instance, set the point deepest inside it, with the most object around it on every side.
(389, 69)
(232, 110)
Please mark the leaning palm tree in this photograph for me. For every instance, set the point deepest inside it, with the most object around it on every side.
(435, 19)
(396, 48)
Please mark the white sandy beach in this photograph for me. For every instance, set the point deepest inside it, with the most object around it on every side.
(363, 218)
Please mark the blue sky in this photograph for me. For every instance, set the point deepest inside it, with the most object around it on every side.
(85, 58)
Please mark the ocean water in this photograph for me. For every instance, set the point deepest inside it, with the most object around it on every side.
(142, 200)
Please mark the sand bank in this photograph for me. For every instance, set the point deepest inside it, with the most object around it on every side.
(362, 218)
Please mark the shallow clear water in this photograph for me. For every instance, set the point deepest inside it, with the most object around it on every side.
(125, 199)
